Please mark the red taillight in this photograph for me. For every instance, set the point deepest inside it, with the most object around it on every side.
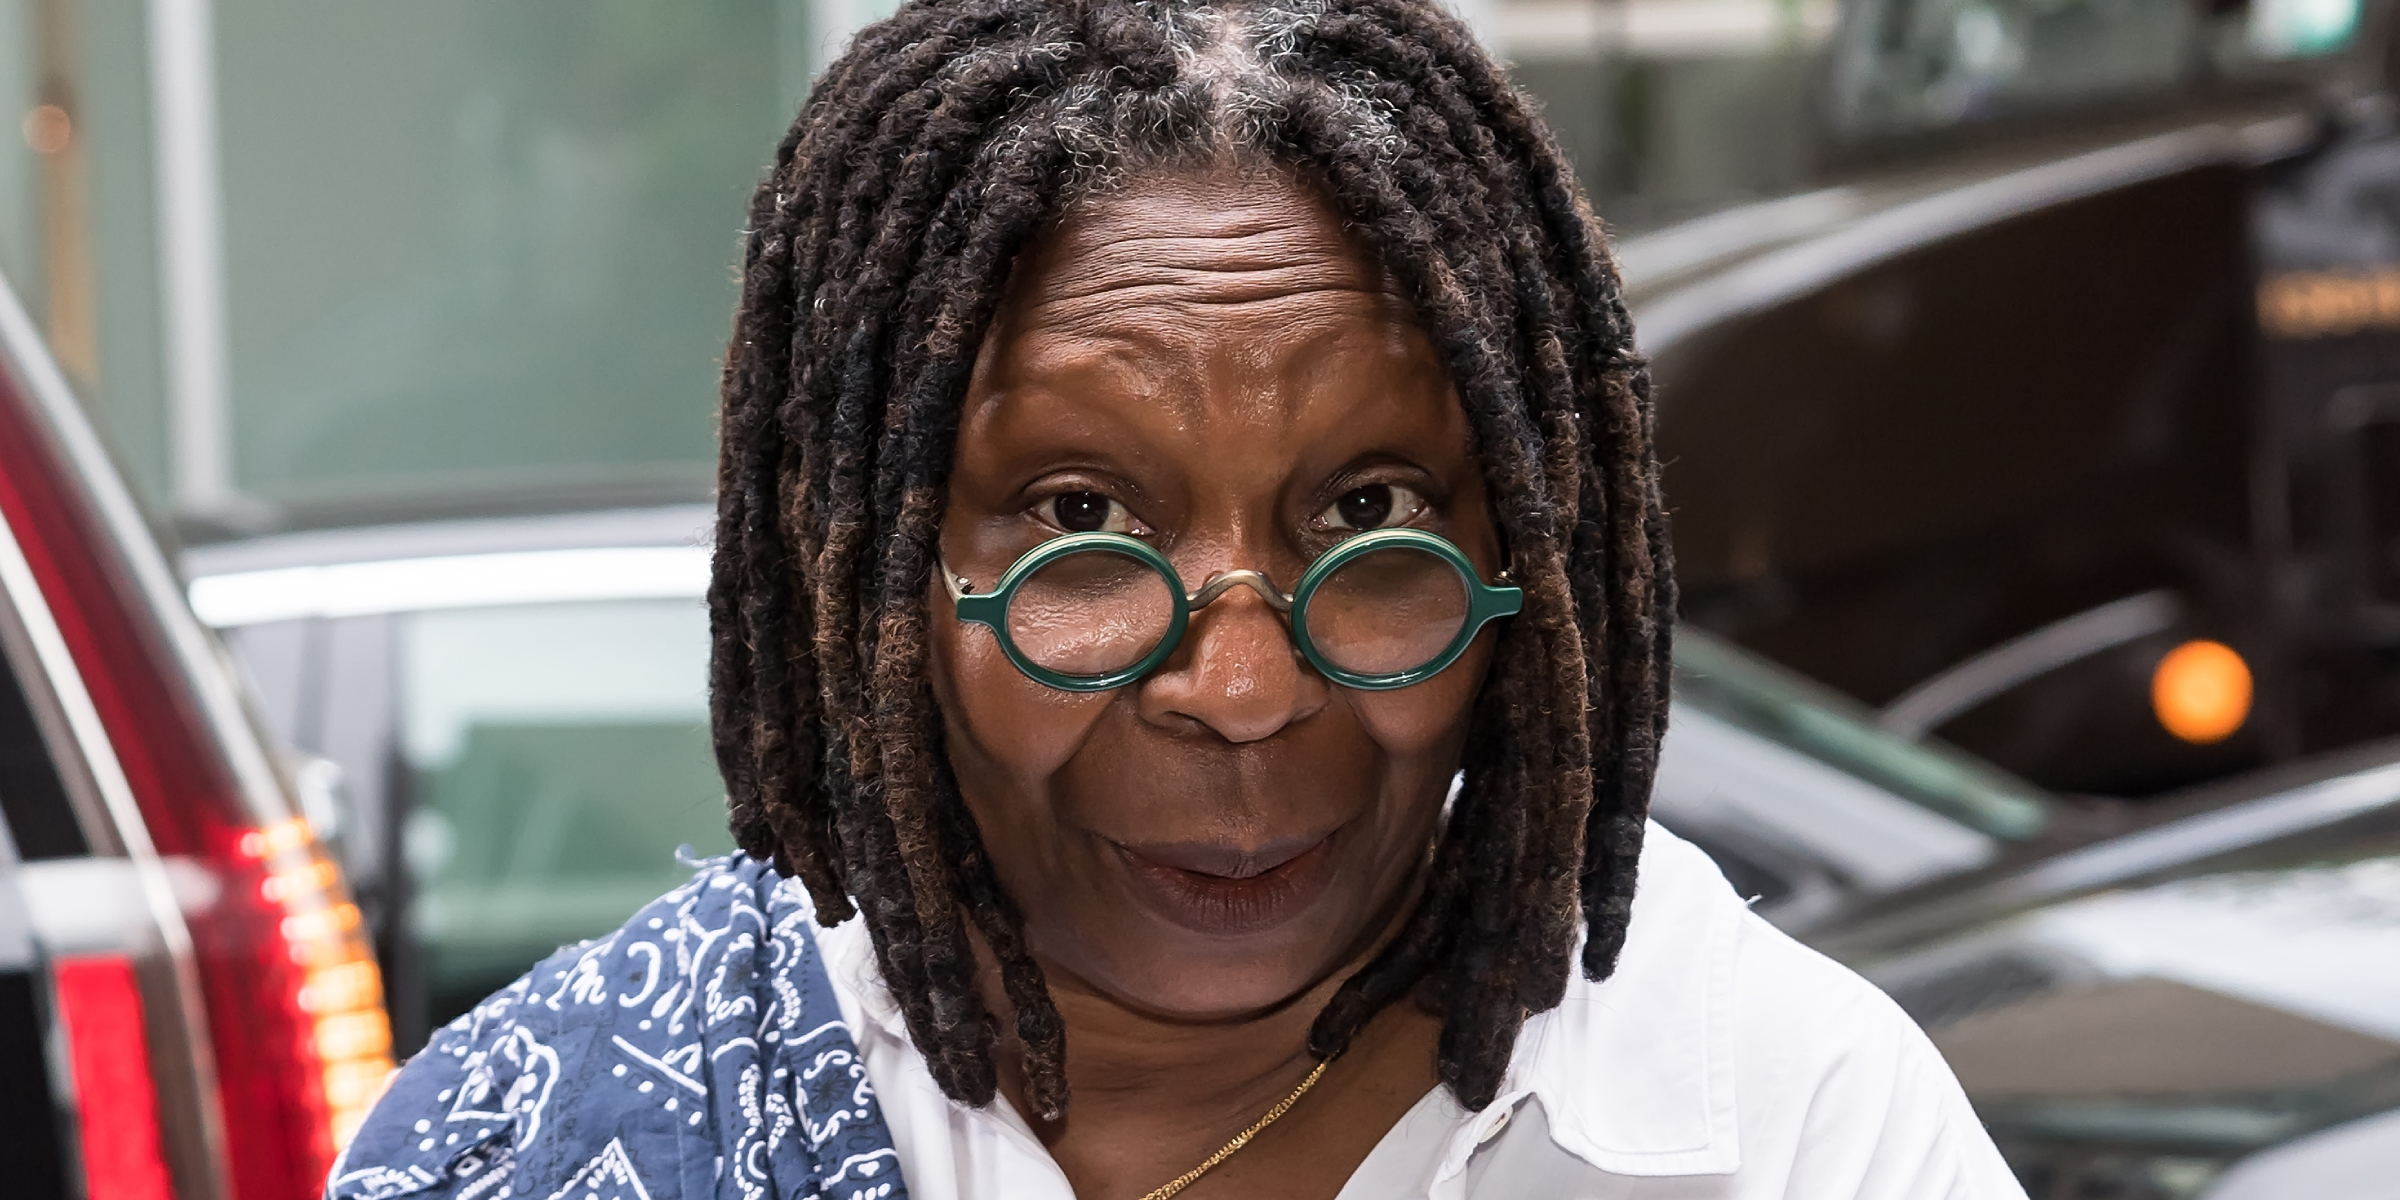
(333, 982)
(100, 1003)
(295, 1011)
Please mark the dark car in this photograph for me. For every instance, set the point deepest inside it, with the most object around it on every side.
(1978, 446)
(2082, 353)
(2207, 1007)
(188, 1007)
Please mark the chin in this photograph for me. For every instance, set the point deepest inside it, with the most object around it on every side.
(1215, 988)
(1140, 962)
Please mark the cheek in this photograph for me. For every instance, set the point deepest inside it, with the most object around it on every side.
(1429, 720)
(1009, 735)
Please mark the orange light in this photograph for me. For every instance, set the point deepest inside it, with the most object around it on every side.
(323, 923)
(2201, 692)
(354, 1035)
(341, 990)
(284, 837)
(48, 129)
(311, 879)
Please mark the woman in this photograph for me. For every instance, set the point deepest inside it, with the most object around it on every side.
(1191, 577)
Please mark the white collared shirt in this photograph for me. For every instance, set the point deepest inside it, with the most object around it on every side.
(1722, 1061)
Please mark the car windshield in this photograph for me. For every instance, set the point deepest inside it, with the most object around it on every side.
(1739, 689)
(557, 755)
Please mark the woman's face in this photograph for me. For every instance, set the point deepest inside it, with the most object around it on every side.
(1208, 363)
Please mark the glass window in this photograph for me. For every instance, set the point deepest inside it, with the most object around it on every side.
(557, 756)
(76, 213)
(1910, 65)
(1671, 109)
(33, 122)
(488, 248)
(1718, 782)
(1714, 678)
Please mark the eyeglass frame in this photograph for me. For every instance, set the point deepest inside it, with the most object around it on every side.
(1485, 603)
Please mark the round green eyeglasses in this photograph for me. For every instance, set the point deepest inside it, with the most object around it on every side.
(1088, 612)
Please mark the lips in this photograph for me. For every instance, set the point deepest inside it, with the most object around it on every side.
(1229, 891)
(1225, 862)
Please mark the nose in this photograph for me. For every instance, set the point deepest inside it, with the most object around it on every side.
(1237, 674)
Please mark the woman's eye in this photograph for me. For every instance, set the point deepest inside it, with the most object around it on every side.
(1375, 506)
(1087, 512)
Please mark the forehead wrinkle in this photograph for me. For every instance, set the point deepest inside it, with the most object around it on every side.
(1198, 312)
(1229, 236)
(1174, 321)
(1166, 356)
(1288, 262)
(1193, 291)
(1092, 366)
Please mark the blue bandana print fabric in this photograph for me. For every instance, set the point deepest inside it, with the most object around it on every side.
(697, 1052)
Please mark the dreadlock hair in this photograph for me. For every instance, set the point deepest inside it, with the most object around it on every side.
(927, 158)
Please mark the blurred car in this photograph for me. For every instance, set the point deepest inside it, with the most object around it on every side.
(507, 724)
(2208, 1007)
(1816, 812)
(188, 1007)
(508, 720)
(2078, 350)
(1979, 442)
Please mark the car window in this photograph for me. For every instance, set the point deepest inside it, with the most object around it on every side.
(1735, 688)
(1913, 65)
(535, 172)
(556, 755)
(1716, 779)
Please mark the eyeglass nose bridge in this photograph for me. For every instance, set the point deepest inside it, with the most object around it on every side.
(1225, 581)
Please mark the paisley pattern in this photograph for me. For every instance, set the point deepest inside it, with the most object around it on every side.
(697, 1052)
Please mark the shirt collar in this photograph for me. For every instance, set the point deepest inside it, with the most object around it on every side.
(1635, 1073)
(867, 1005)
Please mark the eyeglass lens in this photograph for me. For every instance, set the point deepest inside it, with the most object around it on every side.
(1387, 611)
(1098, 612)
(1090, 613)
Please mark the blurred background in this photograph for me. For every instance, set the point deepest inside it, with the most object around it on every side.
(2029, 376)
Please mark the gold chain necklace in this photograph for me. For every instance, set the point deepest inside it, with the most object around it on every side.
(1240, 1140)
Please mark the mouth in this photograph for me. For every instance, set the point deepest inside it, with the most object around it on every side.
(1229, 891)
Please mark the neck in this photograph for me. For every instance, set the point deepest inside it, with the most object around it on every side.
(1119, 1055)
(1152, 1095)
